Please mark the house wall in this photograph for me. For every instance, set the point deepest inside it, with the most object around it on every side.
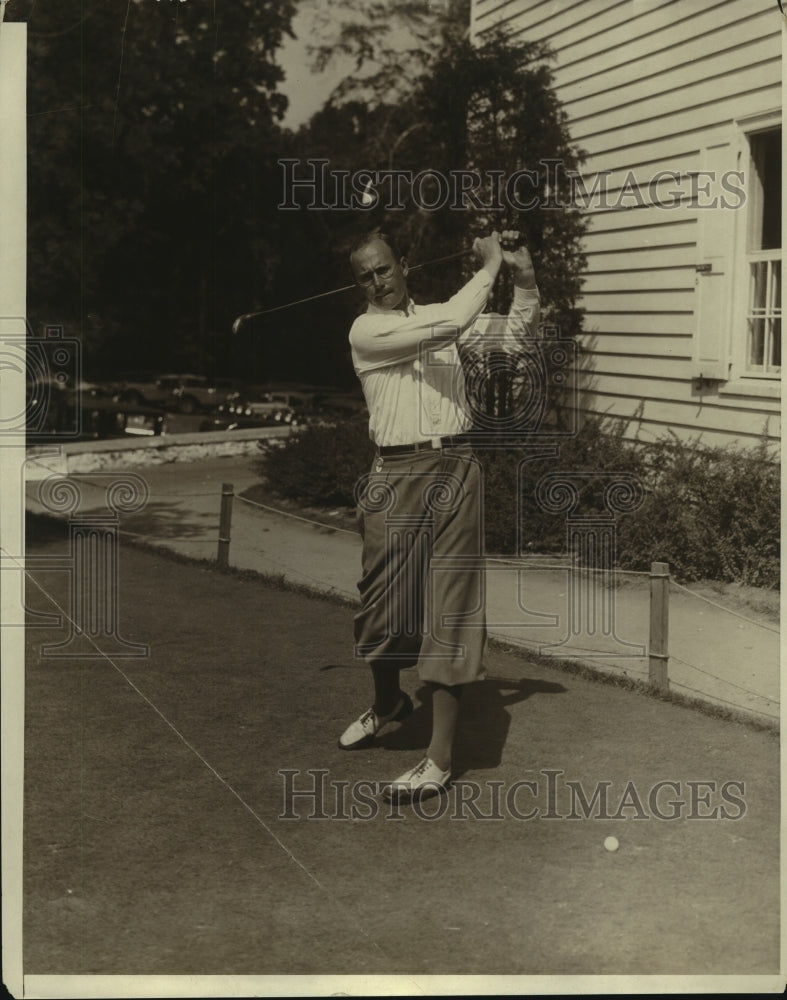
(649, 86)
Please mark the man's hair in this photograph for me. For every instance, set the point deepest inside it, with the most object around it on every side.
(377, 234)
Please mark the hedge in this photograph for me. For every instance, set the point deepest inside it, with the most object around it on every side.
(710, 512)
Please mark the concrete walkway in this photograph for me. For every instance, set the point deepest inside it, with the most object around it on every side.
(718, 655)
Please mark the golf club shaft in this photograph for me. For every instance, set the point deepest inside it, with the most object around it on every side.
(335, 291)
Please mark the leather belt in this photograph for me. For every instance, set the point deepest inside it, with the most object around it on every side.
(452, 441)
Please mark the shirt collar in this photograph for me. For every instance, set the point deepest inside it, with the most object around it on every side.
(372, 308)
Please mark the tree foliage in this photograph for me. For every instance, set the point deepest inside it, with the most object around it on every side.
(154, 181)
(152, 137)
(424, 98)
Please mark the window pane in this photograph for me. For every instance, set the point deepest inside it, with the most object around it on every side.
(759, 275)
(776, 298)
(776, 344)
(756, 342)
(766, 151)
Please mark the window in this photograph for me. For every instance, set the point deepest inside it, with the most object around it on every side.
(764, 256)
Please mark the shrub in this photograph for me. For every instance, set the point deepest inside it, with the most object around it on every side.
(321, 464)
(710, 512)
(514, 527)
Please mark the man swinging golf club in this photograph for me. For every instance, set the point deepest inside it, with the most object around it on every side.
(421, 504)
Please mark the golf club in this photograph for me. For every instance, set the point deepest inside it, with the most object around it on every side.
(335, 291)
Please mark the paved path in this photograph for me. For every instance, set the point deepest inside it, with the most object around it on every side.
(716, 655)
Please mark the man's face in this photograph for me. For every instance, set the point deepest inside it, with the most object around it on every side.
(381, 276)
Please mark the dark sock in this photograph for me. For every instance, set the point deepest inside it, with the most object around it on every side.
(386, 689)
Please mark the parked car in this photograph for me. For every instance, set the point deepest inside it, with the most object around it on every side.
(159, 391)
(186, 393)
(104, 417)
(301, 402)
(196, 393)
(258, 413)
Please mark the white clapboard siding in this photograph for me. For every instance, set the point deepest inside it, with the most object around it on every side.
(764, 88)
(670, 198)
(589, 37)
(647, 260)
(654, 346)
(642, 105)
(647, 41)
(617, 170)
(660, 302)
(656, 239)
(638, 281)
(634, 185)
(645, 323)
(698, 58)
(642, 366)
(641, 219)
(698, 416)
(651, 86)
(650, 390)
(567, 25)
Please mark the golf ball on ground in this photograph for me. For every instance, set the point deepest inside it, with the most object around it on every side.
(611, 843)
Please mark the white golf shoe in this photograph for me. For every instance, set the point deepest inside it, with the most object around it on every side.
(420, 782)
(363, 731)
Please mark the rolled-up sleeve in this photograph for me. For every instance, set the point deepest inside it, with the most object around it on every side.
(383, 338)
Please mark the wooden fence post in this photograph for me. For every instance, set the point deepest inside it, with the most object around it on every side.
(658, 655)
(225, 522)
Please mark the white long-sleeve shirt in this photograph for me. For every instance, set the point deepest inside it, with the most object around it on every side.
(409, 365)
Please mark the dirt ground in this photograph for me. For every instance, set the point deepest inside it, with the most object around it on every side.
(162, 835)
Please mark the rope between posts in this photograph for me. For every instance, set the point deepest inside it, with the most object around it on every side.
(700, 597)
(547, 567)
(96, 485)
(84, 479)
(567, 566)
(601, 655)
(584, 569)
(738, 687)
(158, 538)
(295, 517)
(724, 701)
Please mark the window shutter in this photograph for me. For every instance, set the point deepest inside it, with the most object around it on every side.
(714, 278)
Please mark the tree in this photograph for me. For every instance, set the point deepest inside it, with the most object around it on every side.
(488, 109)
(153, 129)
